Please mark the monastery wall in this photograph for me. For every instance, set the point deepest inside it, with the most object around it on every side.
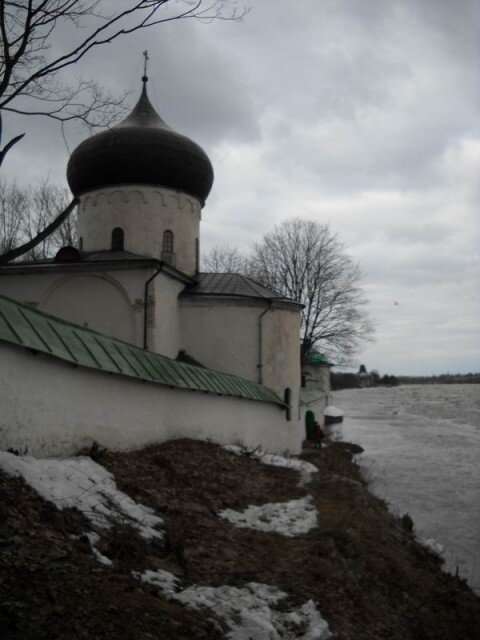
(50, 408)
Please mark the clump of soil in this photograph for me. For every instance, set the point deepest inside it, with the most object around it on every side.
(362, 567)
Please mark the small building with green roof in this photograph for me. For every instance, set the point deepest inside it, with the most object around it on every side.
(315, 394)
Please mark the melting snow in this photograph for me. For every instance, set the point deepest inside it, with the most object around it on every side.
(246, 611)
(165, 581)
(93, 539)
(305, 468)
(433, 546)
(248, 614)
(287, 518)
(83, 484)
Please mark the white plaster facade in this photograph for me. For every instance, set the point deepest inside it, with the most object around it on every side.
(165, 329)
(253, 339)
(144, 214)
(120, 295)
(106, 300)
(317, 376)
(50, 408)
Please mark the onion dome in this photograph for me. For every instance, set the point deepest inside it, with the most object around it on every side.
(142, 149)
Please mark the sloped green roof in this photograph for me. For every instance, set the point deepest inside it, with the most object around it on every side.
(40, 332)
(315, 357)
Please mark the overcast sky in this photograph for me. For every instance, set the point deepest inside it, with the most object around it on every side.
(362, 114)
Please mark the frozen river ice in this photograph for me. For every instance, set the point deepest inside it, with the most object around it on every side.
(422, 453)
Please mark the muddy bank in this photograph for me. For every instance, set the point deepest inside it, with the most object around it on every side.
(361, 566)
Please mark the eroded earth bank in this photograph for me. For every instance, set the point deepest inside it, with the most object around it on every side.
(226, 545)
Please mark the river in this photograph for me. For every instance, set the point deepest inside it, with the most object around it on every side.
(422, 455)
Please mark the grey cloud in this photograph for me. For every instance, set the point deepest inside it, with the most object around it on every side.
(360, 114)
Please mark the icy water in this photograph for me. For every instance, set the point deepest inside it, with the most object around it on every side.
(422, 455)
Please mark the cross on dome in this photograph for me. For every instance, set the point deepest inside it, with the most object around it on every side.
(145, 64)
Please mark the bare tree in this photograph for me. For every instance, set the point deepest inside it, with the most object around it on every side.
(31, 68)
(25, 212)
(304, 261)
(224, 259)
(45, 202)
(13, 208)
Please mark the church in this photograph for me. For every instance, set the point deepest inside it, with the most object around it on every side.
(123, 340)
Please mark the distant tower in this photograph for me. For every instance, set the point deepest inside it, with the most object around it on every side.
(141, 188)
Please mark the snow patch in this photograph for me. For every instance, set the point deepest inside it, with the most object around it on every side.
(305, 468)
(248, 614)
(292, 518)
(85, 485)
(165, 581)
(93, 539)
(433, 546)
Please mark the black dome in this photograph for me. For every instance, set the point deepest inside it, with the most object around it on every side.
(141, 150)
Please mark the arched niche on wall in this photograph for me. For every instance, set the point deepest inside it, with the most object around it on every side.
(96, 302)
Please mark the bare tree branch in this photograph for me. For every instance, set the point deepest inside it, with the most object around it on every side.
(30, 66)
(8, 146)
(34, 217)
(224, 259)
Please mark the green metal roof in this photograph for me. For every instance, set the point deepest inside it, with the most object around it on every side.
(40, 332)
(315, 357)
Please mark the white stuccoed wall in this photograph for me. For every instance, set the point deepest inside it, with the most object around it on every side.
(93, 301)
(164, 318)
(107, 301)
(223, 334)
(318, 377)
(110, 302)
(53, 409)
(143, 213)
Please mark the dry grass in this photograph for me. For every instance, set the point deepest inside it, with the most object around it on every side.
(370, 579)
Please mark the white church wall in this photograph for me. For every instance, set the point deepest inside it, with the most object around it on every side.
(51, 408)
(164, 317)
(223, 334)
(27, 289)
(281, 351)
(93, 301)
(317, 377)
(144, 213)
(108, 301)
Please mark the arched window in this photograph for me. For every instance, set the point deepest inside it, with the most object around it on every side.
(168, 254)
(287, 398)
(167, 246)
(197, 255)
(117, 239)
(80, 243)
